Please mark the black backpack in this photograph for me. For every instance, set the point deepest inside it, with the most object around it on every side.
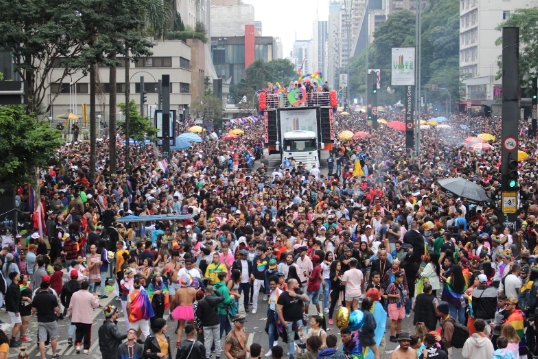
(461, 334)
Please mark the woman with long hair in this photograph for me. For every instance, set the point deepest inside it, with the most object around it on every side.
(336, 286)
(326, 273)
(233, 284)
(430, 273)
(469, 296)
(453, 291)
(4, 345)
(508, 331)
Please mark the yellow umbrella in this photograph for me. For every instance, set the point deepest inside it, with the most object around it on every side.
(486, 137)
(236, 131)
(345, 135)
(68, 116)
(196, 129)
(382, 120)
(344, 113)
(422, 122)
(432, 123)
(522, 156)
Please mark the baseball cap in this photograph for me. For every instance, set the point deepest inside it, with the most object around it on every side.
(46, 279)
(73, 273)
(482, 278)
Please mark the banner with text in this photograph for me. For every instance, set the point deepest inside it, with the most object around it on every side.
(409, 119)
(403, 66)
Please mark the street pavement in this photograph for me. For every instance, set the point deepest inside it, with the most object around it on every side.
(255, 327)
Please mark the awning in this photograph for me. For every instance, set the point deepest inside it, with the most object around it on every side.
(154, 218)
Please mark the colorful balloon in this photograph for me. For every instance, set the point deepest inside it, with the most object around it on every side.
(342, 318)
(356, 320)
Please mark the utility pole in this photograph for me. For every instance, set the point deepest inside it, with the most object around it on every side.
(510, 119)
(160, 100)
(417, 82)
(166, 115)
(373, 76)
(142, 96)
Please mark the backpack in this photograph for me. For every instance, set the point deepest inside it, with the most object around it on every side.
(3, 284)
(461, 334)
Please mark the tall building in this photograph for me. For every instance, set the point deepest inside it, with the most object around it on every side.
(301, 53)
(225, 2)
(230, 20)
(478, 52)
(278, 48)
(232, 55)
(258, 26)
(319, 41)
(333, 42)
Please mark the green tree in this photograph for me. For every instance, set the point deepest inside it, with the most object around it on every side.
(25, 145)
(526, 19)
(281, 71)
(209, 106)
(139, 127)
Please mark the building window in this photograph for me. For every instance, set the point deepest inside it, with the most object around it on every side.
(149, 87)
(506, 15)
(184, 87)
(81, 88)
(184, 63)
(155, 62)
(120, 87)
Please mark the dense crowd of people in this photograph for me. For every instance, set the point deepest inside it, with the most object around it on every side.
(387, 243)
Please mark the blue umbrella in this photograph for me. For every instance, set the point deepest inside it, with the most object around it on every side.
(441, 119)
(189, 137)
(180, 145)
(463, 127)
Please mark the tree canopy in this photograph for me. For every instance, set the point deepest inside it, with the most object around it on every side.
(139, 127)
(526, 19)
(25, 145)
(259, 73)
(439, 52)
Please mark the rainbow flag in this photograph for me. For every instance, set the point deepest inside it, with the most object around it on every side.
(450, 296)
(140, 306)
(152, 289)
(516, 319)
(380, 316)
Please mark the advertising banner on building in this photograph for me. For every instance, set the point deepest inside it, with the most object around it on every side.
(403, 66)
(378, 77)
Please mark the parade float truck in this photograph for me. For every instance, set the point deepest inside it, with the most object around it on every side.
(297, 126)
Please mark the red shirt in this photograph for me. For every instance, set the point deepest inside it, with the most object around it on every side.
(314, 284)
(56, 281)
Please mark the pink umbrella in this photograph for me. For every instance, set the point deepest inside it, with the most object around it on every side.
(473, 140)
(360, 134)
(397, 125)
(230, 137)
(482, 147)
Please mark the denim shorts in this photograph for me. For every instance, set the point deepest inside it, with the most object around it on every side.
(313, 297)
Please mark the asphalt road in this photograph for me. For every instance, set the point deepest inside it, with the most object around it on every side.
(255, 327)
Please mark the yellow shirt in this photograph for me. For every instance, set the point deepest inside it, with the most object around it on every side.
(163, 344)
(4, 348)
(119, 259)
(213, 271)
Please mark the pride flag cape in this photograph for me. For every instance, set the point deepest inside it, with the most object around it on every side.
(380, 316)
(516, 319)
(140, 306)
(450, 296)
(151, 290)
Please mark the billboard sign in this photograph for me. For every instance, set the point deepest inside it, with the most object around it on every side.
(378, 76)
(403, 66)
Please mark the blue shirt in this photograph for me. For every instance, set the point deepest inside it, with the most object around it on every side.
(154, 235)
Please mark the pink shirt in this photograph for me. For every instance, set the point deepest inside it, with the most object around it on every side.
(81, 307)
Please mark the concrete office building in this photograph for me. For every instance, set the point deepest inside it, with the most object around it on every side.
(478, 52)
(229, 21)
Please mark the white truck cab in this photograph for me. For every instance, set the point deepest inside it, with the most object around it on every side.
(302, 146)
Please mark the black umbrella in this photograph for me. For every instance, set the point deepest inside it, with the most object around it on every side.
(460, 187)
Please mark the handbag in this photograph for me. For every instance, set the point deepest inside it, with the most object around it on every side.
(232, 309)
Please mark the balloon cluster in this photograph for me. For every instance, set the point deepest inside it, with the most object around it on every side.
(315, 78)
(353, 321)
(262, 99)
(333, 98)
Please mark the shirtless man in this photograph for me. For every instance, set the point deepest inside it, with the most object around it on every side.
(405, 351)
(183, 299)
(171, 271)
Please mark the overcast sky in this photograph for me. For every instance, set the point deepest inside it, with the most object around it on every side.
(285, 18)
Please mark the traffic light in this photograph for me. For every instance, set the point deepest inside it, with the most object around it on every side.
(369, 114)
(145, 96)
(374, 88)
(534, 96)
(512, 171)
